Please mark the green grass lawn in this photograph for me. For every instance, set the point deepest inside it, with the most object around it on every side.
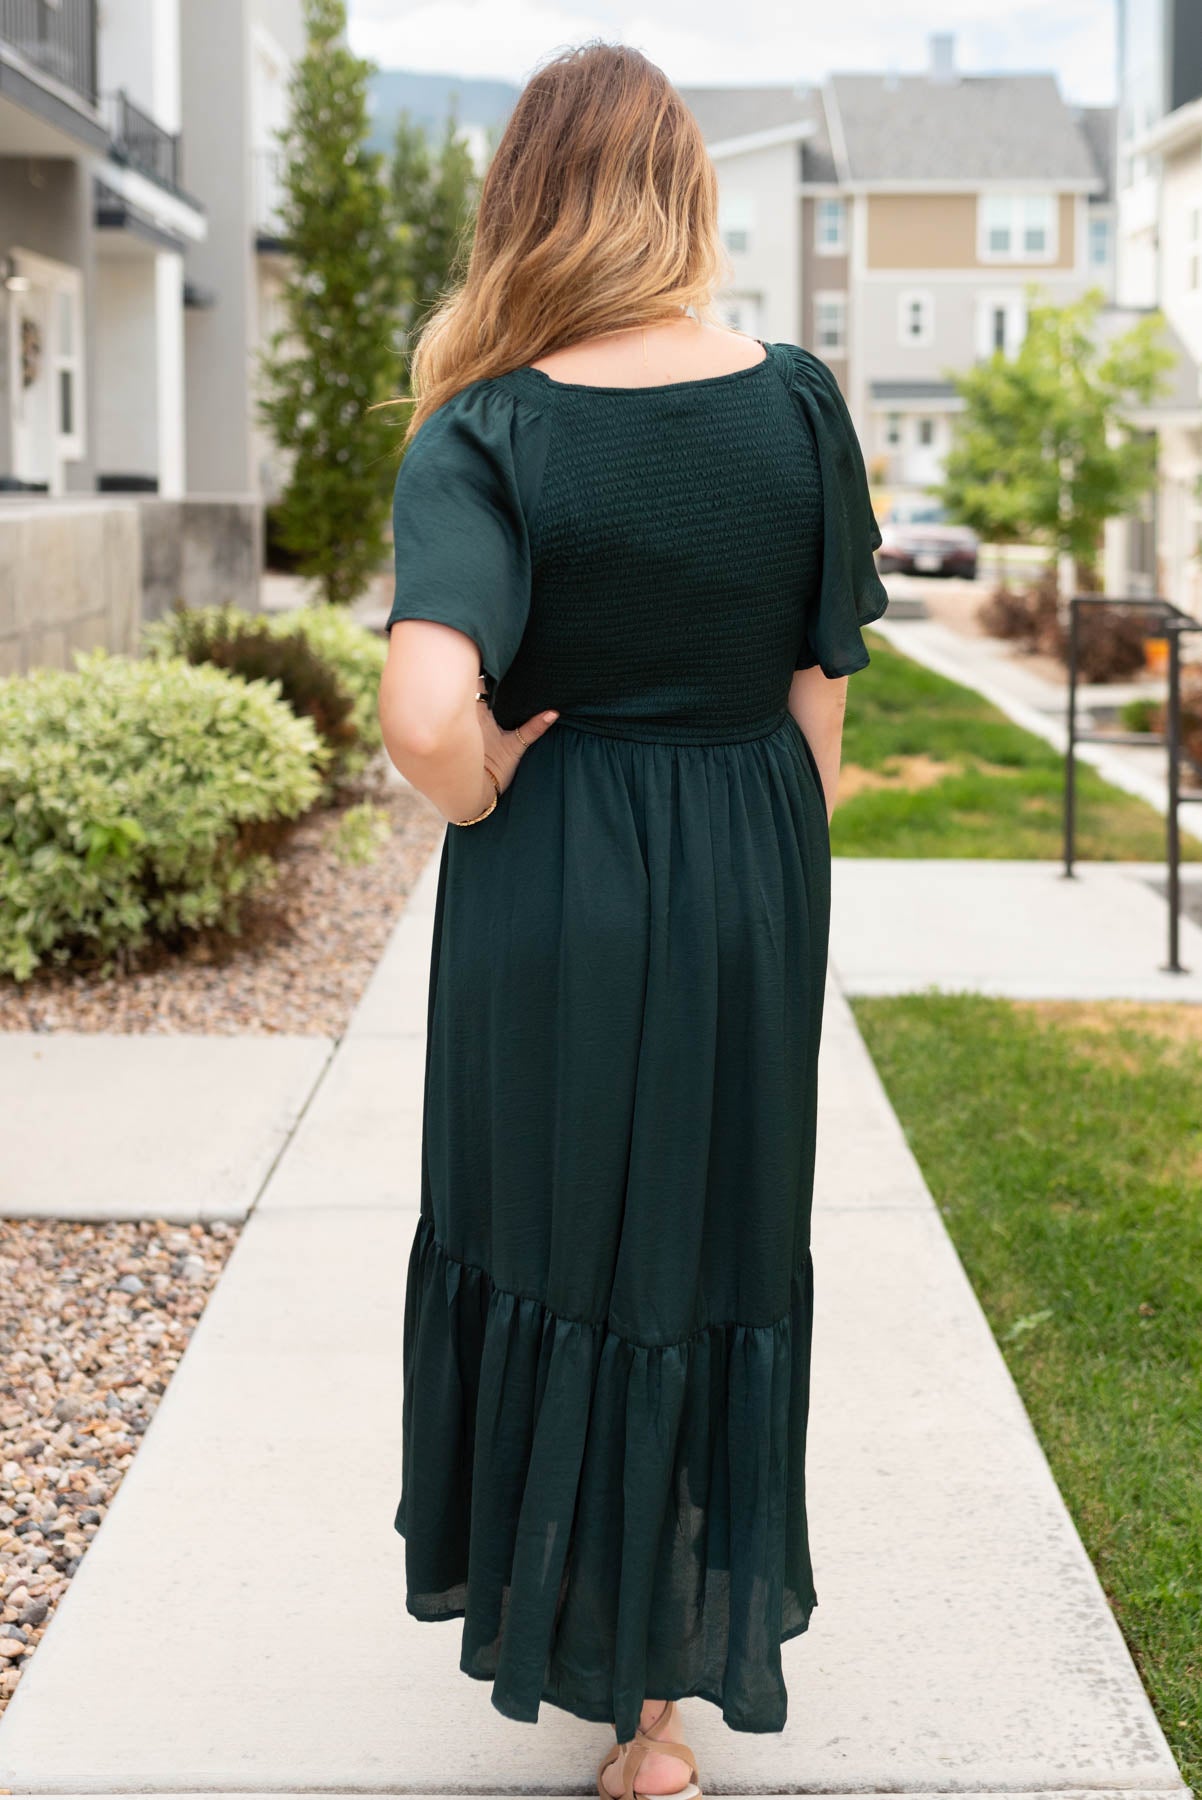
(931, 769)
(1063, 1145)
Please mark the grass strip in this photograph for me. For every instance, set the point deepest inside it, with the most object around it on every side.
(1063, 1144)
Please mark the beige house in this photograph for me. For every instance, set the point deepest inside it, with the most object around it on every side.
(1160, 264)
(893, 224)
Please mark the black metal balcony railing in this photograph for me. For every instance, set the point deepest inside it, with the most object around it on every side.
(60, 40)
(141, 142)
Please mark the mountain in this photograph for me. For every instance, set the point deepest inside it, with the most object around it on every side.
(481, 106)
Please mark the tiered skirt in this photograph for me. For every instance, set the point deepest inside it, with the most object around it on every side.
(609, 1299)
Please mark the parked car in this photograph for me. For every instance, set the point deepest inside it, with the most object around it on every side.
(917, 538)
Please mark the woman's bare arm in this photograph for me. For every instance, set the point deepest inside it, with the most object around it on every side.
(436, 731)
(819, 703)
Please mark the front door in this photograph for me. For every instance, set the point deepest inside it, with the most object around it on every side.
(45, 393)
(33, 422)
(925, 461)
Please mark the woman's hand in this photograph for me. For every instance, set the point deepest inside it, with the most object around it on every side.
(504, 750)
(436, 729)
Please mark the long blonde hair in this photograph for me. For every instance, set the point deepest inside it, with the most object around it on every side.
(599, 211)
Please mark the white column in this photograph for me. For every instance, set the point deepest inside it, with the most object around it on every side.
(169, 371)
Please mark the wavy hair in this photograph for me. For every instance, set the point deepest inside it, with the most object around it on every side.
(599, 212)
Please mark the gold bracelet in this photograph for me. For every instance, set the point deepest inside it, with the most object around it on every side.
(491, 805)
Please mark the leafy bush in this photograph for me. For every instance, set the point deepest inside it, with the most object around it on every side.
(328, 665)
(1110, 639)
(1027, 618)
(1191, 715)
(1110, 642)
(358, 657)
(1005, 614)
(139, 799)
(1138, 715)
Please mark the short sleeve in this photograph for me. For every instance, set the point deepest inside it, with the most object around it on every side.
(851, 593)
(463, 498)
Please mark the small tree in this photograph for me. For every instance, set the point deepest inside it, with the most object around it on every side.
(336, 355)
(1043, 449)
(434, 194)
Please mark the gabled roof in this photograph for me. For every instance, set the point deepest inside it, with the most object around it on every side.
(1099, 124)
(966, 128)
(735, 112)
(727, 114)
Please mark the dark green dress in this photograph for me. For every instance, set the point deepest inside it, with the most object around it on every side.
(608, 1309)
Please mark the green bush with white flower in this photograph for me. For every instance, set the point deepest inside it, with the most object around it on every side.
(138, 800)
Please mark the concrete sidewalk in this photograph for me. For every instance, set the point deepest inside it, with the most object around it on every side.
(1015, 929)
(100, 1125)
(239, 1628)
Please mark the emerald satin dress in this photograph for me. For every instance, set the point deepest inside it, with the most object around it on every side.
(606, 1341)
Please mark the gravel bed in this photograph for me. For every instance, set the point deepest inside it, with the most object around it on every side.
(93, 1320)
(300, 963)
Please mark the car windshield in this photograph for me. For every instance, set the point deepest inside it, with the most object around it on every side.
(917, 515)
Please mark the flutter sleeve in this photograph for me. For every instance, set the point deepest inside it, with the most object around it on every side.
(460, 516)
(850, 593)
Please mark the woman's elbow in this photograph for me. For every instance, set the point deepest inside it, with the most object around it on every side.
(417, 724)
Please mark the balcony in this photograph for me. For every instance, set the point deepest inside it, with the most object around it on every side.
(140, 142)
(57, 40)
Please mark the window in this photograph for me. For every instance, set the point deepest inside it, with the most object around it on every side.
(830, 322)
(1001, 322)
(830, 225)
(893, 430)
(66, 361)
(1099, 241)
(741, 312)
(1193, 249)
(926, 432)
(735, 221)
(1017, 228)
(916, 317)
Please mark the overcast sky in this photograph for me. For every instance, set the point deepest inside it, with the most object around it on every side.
(750, 41)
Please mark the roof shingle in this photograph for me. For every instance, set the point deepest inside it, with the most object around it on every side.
(907, 128)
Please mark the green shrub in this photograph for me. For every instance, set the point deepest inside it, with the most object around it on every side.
(1138, 715)
(357, 655)
(139, 799)
(329, 666)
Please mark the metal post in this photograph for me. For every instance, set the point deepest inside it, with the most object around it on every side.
(1173, 835)
(1070, 762)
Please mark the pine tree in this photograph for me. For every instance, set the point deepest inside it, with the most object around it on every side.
(337, 355)
(434, 195)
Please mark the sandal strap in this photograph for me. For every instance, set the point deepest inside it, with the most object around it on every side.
(634, 1754)
(642, 1745)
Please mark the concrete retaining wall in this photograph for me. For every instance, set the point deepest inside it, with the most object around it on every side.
(204, 551)
(81, 572)
(70, 579)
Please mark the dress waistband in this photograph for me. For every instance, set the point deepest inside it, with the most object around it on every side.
(652, 731)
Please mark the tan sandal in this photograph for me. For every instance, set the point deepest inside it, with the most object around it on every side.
(641, 1745)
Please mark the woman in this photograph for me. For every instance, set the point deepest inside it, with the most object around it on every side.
(652, 538)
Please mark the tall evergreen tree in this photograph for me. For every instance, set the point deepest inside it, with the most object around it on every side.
(434, 195)
(337, 355)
